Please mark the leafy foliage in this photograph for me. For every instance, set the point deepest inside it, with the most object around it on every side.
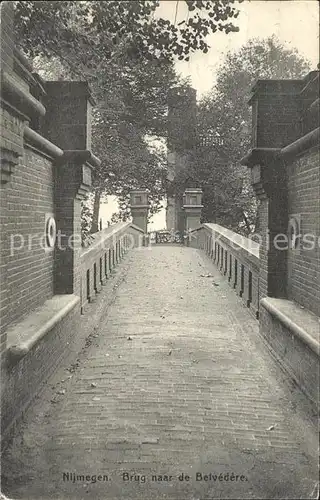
(123, 27)
(126, 54)
(225, 126)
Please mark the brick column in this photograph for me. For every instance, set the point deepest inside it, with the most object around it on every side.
(182, 139)
(139, 208)
(192, 207)
(276, 107)
(68, 119)
(8, 159)
(68, 125)
(18, 107)
(72, 182)
(7, 33)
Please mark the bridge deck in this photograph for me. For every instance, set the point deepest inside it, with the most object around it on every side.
(176, 381)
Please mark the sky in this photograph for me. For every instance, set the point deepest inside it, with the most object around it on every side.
(294, 22)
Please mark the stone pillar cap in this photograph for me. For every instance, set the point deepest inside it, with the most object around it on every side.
(191, 207)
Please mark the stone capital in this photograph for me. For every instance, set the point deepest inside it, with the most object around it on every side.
(139, 206)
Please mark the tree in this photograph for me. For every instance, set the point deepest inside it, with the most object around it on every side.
(225, 126)
(113, 28)
(126, 54)
(134, 111)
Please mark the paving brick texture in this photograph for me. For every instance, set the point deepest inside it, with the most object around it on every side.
(175, 397)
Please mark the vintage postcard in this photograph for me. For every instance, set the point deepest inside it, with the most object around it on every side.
(160, 249)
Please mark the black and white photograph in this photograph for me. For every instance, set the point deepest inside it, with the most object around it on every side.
(160, 250)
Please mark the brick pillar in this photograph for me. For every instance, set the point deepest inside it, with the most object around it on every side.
(7, 31)
(68, 122)
(276, 122)
(18, 106)
(68, 125)
(72, 182)
(7, 162)
(181, 141)
(192, 205)
(139, 208)
(276, 113)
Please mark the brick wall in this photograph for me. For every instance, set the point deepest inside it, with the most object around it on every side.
(67, 104)
(26, 192)
(293, 354)
(287, 185)
(276, 113)
(30, 268)
(12, 140)
(285, 175)
(6, 36)
(38, 181)
(263, 276)
(303, 200)
(25, 379)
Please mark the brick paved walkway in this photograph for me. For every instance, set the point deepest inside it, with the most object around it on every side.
(176, 381)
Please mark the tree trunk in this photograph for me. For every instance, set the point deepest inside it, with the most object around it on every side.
(95, 215)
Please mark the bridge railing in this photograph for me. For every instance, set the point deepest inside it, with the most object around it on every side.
(236, 257)
(98, 261)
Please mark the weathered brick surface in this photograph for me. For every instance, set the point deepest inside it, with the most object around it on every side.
(263, 253)
(236, 266)
(29, 268)
(283, 112)
(98, 261)
(68, 219)
(304, 200)
(67, 105)
(277, 116)
(11, 140)
(26, 196)
(6, 27)
(182, 383)
(21, 382)
(296, 357)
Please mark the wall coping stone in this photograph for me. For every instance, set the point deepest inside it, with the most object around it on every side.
(258, 156)
(42, 144)
(269, 87)
(138, 191)
(302, 323)
(310, 80)
(22, 59)
(101, 236)
(76, 85)
(23, 336)
(190, 207)
(23, 67)
(137, 228)
(315, 105)
(301, 145)
(29, 104)
(250, 246)
(82, 156)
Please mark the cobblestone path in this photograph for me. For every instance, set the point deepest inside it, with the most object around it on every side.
(177, 397)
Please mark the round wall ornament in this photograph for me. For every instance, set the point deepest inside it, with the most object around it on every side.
(51, 232)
